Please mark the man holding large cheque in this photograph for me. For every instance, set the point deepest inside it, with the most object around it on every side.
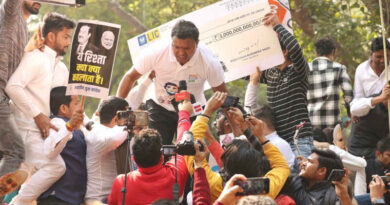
(183, 58)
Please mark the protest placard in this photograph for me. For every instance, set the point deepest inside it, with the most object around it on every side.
(65, 2)
(233, 29)
(92, 58)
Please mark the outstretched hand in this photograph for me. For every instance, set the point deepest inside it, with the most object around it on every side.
(228, 195)
(215, 102)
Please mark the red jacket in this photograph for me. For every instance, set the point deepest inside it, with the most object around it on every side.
(147, 185)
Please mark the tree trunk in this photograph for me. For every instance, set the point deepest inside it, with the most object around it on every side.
(131, 19)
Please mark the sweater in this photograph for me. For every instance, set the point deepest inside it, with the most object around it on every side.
(279, 167)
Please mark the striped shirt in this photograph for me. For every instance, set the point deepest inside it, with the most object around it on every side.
(286, 90)
(13, 39)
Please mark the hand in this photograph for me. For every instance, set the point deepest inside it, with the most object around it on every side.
(385, 95)
(377, 188)
(44, 125)
(271, 19)
(341, 187)
(187, 106)
(236, 121)
(200, 156)
(215, 102)
(255, 77)
(35, 41)
(228, 195)
(77, 118)
(152, 75)
(257, 127)
(355, 119)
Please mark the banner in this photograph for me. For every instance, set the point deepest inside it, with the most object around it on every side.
(76, 3)
(92, 58)
(233, 29)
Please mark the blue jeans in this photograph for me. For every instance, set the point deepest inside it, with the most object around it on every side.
(11, 143)
(305, 145)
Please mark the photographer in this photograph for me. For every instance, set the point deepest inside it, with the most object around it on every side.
(102, 141)
(240, 156)
(153, 180)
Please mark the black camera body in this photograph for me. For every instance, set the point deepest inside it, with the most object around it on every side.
(185, 147)
(231, 101)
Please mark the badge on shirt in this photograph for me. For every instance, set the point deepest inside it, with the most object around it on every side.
(192, 78)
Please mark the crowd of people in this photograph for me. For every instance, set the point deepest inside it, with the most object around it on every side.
(288, 151)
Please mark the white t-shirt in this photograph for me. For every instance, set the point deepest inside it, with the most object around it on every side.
(101, 162)
(202, 67)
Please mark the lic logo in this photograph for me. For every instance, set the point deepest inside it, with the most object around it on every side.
(148, 37)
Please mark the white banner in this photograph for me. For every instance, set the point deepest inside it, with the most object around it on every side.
(233, 29)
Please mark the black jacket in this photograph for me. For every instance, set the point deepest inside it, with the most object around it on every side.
(321, 193)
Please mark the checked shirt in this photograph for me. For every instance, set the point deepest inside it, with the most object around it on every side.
(323, 96)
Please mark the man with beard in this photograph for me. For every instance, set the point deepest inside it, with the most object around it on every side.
(13, 39)
(29, 89)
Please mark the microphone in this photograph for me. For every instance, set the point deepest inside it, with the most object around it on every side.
(183, 94)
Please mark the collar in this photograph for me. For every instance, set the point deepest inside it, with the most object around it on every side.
(324, 184)
(322, 58)
(52, 53)
(150, 170)
(190, 63)
(272, 135)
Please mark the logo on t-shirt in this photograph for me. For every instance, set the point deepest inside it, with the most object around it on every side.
(192, 78)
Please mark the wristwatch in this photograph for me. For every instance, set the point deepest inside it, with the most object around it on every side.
(378, 202)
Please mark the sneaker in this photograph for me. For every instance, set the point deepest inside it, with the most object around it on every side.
(11, 181)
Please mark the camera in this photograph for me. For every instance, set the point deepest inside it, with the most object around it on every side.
(386, 180)
(336, 175)
(231, 101)
(133, 118)
(253, 186)
(185, 147)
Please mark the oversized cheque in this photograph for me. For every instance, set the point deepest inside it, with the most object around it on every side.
(92, 58)
(233, 29)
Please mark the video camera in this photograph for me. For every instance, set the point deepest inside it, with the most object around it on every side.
(185, 147)
(131, 118)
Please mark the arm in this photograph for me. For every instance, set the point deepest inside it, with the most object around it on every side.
(27, 71)
(294, 51)
(279, 169)
(348, 158)
(201, 190)
(127, 83)
(56, 141)
(12, 7)
(251, 90)
(362, 106)
(136, 95)
(184, 124)
(341, 188)
(214, 147)
(220, 88)
(346, 86)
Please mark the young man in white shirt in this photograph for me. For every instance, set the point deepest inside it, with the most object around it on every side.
(182, 59)
(370, 103)
(29, 89)
(370, 79)
(102, 141)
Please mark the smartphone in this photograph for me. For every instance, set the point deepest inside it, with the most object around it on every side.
(141, 118)
(386, 180)
(336, 175)
(231, 101)
(168, 150)
(253, 186)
